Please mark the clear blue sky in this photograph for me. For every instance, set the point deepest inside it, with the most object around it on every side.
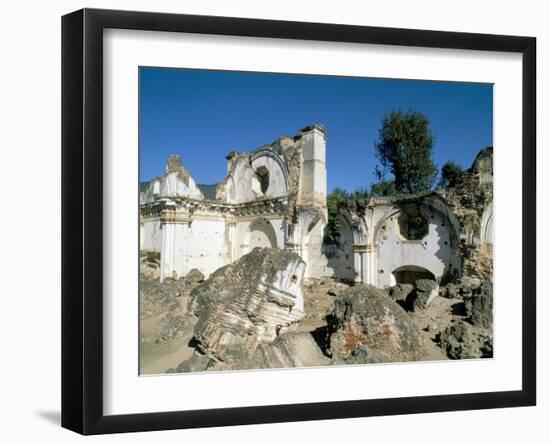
(202, 115)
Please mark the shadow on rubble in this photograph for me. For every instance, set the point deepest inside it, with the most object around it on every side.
(459, 308)
(321, 336)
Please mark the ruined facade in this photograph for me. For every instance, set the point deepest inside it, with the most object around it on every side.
(275, 196)
(471, 200)
(397, 240)
(438, 236)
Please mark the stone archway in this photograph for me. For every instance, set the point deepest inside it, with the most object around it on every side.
(261, 234)
(487, 233)
(340, 256)
(410, 274)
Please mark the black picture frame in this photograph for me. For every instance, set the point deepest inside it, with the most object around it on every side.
(82, 218)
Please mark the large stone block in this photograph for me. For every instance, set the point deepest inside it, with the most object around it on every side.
(294, 349)
(479, 306)
(367, 323)
(458, 343)
(424, 292)
(247, 303)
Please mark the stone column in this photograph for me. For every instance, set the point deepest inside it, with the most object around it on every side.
(371, 275)
(141, 231)
(231, 240)
(365, 266)
(293, 242)
(166, 250)
(313, 180)
(357, 265)
(360, 263)
(175, 236)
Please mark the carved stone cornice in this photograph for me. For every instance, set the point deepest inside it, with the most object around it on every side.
(173, 216)
(187, 207)
(361, 248)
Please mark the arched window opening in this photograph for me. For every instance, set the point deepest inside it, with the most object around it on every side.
(413, 225)
(263, 176)
(410, 274)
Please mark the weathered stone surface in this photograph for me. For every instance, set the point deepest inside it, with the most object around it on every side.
(479, 306)
(458, 343)
(294, 349)
(162, 298)
(248, 303)
(364, 355)
(468, 285)
(477, 261)
(451, 290)
(194, 276)
(422, 295)
(197, 362)
(367, 325)
(318, 303)
(176, 326)
(400, 291)
(486, 344)
(471, 194)
(149, 265)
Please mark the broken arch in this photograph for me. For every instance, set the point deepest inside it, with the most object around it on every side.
(260, 233)
(410, 274)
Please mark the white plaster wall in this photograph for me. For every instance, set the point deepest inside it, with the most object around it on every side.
(258, 233)
(173, 254)
(172, 185)
(313, 181)
(313, 252)
(340, 257)
(262, 235)
(277, 182)
(240, 247)
(279, 226)
(152, 235)
(206, 249)
(434, 252)
(487, 226)
(152, 191)
(244, 186)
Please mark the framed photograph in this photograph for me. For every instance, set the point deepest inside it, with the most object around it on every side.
(268, 221)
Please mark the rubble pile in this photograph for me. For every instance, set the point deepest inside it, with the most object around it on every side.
(367, 326)
(247, 303)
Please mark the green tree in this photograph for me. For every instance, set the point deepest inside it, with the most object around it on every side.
(404, 147)
(383, 188)
(334, 200)
(360, 193)
(451, 174)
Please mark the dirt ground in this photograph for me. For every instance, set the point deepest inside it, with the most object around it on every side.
(164, 338)
(166, 330)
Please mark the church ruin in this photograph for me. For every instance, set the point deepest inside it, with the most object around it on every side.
(275, 196)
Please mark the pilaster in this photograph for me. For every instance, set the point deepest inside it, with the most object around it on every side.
(175, 236)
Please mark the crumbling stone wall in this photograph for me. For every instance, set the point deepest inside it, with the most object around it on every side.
(276, 195)
(374, 233)
(280, 187)
(471, 200)
(248, 303)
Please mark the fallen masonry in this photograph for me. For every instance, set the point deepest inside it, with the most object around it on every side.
(258, 313)
(367, 326)
(458, 342)
(479, 305)
(247, 303)
(422, 295)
